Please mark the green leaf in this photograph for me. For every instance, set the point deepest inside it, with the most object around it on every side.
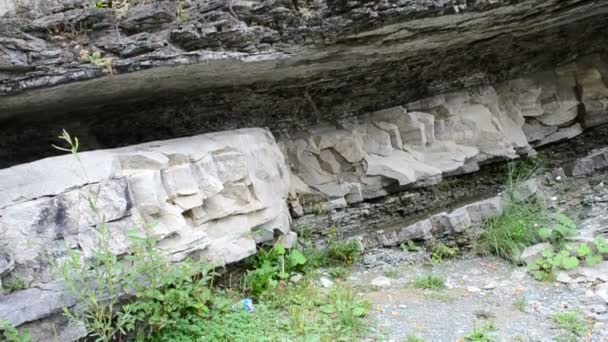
(601, 244)
(569, 263)
(583, 250)
(593, 259)
(296, 258)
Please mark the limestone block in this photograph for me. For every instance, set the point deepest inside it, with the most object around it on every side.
(481, 211)
(207, 178)
(393, 132)
(349, 146)
(328, 161)
(149, 194)
(446, 156)
(401, 166)
(536, 131)
(420, 230)
(562, 134)
(231, 165)
(456, 221)
(144, 160)
(520, 96)
(428, 120)
(35, 303)
(226, 251)
(594, 95)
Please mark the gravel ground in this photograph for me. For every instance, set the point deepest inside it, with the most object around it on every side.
(480, 290)
(477, 290)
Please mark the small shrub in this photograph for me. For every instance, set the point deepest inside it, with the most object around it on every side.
(347, 252)
(440, 252)
(572, 322)
(11, 334)
(429, 282)
(485, 333)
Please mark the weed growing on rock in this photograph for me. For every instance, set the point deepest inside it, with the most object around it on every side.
(12, 335)
(440, 252)
(105, 63)
(429, 282)
(413, 338)
(572, 322)
(485, 333)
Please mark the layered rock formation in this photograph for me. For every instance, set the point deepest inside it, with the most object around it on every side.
(215, 195)
(199, 66)
(371, 155)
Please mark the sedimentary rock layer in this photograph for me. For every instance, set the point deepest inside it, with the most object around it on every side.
(371, 155)
(215, 195)
(186, 67)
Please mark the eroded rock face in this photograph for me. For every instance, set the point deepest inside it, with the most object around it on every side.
(193, 66)
(414, 145)
(216, 195)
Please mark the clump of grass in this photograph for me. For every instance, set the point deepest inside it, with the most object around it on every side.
(485, 333)
(413, 338)
(429, 282)
(572, 322)
(522, 219)
(517, 228)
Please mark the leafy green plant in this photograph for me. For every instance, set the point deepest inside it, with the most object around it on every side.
(164, 293)
(11, 334)
(105, 63)
(485, 333)
(413, 338)
(271, 267)
(429, 282)
(544, 268)
(564, 228)
(573, 322)
(440, 252)
(601, 245)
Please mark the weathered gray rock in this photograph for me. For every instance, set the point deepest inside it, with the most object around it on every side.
(420, 230)
(206, 194)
